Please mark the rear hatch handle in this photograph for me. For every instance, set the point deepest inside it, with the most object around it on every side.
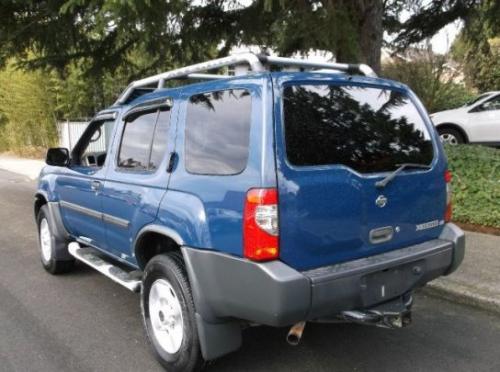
(383, 183)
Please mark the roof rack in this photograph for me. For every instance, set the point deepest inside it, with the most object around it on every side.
(256, 62)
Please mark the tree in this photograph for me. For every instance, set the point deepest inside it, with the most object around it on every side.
(427, 18)
(97, 46)
(478, 47)
(26, 109)
(103, 33)
(350, 29)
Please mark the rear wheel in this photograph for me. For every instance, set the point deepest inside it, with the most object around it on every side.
(168, 314)
(450, 136)
(48, 244)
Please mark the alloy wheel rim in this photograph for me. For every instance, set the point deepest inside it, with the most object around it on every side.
(448, 139)
(165, 313)
(45, 240)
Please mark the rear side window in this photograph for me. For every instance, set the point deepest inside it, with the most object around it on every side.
(217, 132)
(366, 129)
(144, 141)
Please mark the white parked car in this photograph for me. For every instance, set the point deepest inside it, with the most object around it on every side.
(478, 121)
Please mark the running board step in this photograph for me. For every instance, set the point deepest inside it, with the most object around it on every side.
(94, 259)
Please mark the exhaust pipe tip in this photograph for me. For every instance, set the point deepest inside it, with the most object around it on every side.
(293, 340)
(295, 333)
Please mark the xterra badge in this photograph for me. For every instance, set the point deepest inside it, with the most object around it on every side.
(428, 225)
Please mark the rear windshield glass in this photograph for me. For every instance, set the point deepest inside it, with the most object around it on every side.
(366, 129)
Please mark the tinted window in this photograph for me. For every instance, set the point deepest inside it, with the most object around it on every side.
(136, 141)
(217, 132)
(160, 139)
(491, 104)
(366, 129)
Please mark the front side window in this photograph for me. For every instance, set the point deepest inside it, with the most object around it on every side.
(477, 99)
(491, 105)
(92, 149)
(144, 140)
(218, 132)
(366, 129)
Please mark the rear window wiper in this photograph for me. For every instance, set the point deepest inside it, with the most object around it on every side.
(401, 167)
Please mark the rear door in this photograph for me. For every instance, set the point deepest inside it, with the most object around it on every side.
(333, 142)
(137, 178)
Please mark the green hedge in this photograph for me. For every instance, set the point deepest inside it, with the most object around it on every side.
(476, 184)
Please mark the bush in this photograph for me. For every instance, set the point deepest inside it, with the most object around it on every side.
(432, 81)
(27, 119)
(476, 184)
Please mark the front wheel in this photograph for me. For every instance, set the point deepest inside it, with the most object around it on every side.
(449, 136)
(168, 314)
(49, 244)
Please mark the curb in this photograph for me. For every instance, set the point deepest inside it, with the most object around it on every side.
(463, 295)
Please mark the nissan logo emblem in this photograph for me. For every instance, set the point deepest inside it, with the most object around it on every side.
(381, 201)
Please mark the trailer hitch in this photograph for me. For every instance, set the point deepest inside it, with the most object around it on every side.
(393, 314)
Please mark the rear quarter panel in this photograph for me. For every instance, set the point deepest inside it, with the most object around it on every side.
(206, 210)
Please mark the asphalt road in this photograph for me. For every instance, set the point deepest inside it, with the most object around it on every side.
(85, 322)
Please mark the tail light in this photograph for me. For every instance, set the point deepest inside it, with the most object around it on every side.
(260, 225)
(449, 209)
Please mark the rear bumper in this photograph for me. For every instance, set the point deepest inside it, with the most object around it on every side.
(366, 282)
(272, 293)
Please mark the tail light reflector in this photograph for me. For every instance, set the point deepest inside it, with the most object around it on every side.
(260, 225)
(449, 208)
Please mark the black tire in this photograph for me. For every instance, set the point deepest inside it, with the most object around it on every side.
(455, 136)
(49, 261)
(170, 268)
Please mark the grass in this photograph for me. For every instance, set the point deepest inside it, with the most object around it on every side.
(476, 184)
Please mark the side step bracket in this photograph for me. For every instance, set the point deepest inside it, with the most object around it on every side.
(96, 260)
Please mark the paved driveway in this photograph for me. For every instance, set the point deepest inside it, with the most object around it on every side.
(85, 322)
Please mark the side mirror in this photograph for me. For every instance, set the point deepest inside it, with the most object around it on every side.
(58, 156)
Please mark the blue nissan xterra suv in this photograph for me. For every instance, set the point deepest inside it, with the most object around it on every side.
(270, 197)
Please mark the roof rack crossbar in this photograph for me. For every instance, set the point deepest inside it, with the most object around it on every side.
(257, 63)
(249, 58)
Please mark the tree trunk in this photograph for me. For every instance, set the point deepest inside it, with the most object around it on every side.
(371, 32)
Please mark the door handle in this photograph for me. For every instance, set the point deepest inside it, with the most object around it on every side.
(381, 235)
(171, 162)
(95, 185)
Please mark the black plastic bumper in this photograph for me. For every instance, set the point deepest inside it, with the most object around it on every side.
(228, 288)
(366, 282)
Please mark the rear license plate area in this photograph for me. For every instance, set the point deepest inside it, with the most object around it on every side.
(389, 283)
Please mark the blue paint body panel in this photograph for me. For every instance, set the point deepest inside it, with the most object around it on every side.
(326, 213)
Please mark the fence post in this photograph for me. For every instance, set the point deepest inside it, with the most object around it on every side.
(70, 145)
